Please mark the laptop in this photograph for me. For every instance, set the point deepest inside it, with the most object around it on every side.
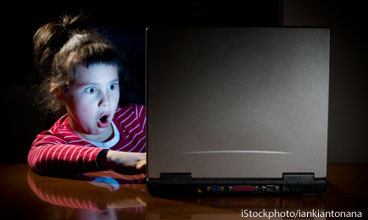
(237, 110)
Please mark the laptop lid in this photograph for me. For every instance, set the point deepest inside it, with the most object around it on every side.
(237, 103)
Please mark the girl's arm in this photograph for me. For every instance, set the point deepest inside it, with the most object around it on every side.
(51, 155)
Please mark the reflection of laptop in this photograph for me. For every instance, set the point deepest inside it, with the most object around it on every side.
(237, 110)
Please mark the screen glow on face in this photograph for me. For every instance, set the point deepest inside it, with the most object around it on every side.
(92, 100)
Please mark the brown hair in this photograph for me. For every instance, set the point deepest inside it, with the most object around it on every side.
(59, 47)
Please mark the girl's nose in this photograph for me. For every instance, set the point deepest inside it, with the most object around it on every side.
(104, 100)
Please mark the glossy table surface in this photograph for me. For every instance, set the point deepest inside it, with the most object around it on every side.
(107, 195)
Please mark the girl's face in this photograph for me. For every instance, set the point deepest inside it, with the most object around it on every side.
(92, 101)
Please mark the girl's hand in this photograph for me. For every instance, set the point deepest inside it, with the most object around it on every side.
(125, 162)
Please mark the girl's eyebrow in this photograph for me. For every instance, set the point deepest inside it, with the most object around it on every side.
(95, 83)
(115, 80)
(87, 84)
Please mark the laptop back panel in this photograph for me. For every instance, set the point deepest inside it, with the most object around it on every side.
(237, 103)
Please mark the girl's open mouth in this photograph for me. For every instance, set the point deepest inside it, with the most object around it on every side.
(103, 121)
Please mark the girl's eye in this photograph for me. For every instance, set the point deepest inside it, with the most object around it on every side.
(91, 90)
(113, 86)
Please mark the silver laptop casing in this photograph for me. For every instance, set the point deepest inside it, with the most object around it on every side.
(237, 103)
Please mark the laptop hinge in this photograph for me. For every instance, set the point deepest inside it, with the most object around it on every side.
(176, 177)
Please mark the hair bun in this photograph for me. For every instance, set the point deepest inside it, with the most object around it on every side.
(51, 37)
(74, 22)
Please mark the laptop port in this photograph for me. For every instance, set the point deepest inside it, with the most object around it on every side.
(271, 188)
(215, 189)
(199, 190)
(244, 188)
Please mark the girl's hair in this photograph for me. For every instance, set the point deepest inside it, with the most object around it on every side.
(59, 47)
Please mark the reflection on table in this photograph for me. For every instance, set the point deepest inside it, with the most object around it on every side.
(109, 195)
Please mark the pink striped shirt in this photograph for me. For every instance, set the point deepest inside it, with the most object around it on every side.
(59, 150)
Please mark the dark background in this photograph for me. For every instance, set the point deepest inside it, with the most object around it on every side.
(125, 22)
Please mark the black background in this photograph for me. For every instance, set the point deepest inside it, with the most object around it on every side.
(125, 22)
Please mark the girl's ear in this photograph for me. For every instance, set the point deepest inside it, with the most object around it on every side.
(58, 93)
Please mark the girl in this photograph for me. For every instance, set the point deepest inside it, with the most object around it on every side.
(81, 76)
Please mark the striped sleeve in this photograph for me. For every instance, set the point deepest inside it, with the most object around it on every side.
(53, 155)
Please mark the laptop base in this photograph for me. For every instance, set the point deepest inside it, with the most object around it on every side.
(179, 184)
